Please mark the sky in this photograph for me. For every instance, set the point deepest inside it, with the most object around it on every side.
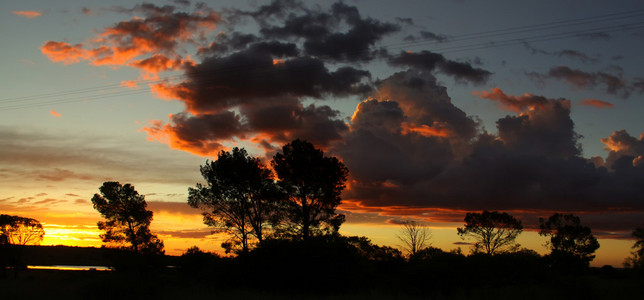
(437, 108)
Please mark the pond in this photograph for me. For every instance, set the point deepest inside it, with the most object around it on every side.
(70, 268)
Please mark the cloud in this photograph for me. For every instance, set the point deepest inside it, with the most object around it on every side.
(614, 84)
(186, 233)
(314, 27)
(151, 42)
(57, 174)
(64, 52)
(427, 36)
(532, 165)
(197, 134)
(54, 113)
(180, 208)
(27, 14)
(625, 151)
(512, 103)
(52, 157)
(49, 201)
(596, 36)
(576, 55)
(569, 53)
(410, 150)
(429, 61)
(597, 103)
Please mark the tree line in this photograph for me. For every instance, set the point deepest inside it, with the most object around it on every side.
(295, 199)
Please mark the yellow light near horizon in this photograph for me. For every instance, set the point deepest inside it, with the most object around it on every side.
(64, 235)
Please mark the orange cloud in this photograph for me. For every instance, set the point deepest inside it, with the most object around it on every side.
(425, 130)
(64, 52)
(159, 34)
(513, 103)
(27, 14)
(167, 134)
(597, 103)
(54, 113)
(129, 84)
(168, 91)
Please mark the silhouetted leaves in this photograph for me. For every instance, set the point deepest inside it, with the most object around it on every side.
(127, 219)
(18, 230)
(636, 260)
(492, 231)
(571, 243)
(313, 183)
(240, 196)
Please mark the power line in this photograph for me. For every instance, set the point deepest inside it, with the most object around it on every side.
(87, 94)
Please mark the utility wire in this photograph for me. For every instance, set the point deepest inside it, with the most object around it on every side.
(88, 94)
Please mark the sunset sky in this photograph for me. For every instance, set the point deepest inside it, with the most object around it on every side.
(438, 108)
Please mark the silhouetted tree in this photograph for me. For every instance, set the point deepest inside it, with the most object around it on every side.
(636, 260)
(414, 236)
(313, 183)
(568, 238)
(491, 230)
(18, 230)
(240, 196)
(128, 221)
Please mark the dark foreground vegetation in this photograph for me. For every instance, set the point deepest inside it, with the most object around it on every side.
(284, 232)
(330, 267)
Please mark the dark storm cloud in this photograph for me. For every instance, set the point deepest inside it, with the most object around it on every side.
(288, 120)
(624, 149)
(263, 78)
(412, 132)
(278, 120)
(546, 131)
(429, 61)
(426, 102)
(533, 164)
(408, 147)
(224, 82)
(337, 34)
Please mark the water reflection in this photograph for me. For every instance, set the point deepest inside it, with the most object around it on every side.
(70, 268)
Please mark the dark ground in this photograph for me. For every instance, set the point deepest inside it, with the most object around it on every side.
(315, 271)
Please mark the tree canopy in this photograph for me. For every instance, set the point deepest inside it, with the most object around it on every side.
(240, 196)
(127, 219)
(492, 231)
(313, 183)
(18, 230)
(636, 260)
(569, 237)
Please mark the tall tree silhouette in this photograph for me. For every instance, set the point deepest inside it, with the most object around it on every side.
(18, 230)
(240, 196)
(636, 260)
(568, 237)
(128, 220)
(313, 183)
(492, 231)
